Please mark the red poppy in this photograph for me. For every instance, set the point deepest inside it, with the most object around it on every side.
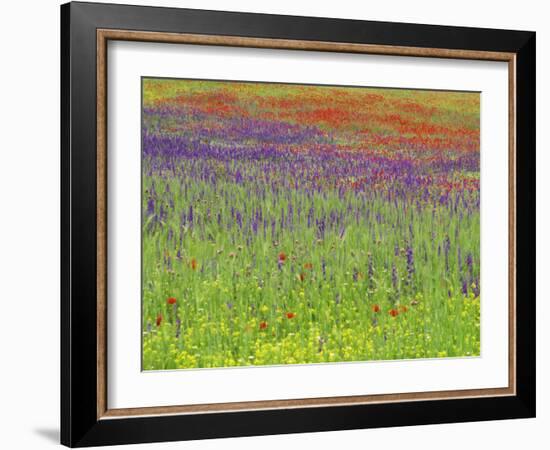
(308, 266)
(171, 301)
(375, 308)
(159, 320)
(263, 325)
(282, 257)
(194, 264)
(402, 308)
(394, 312)
(290, 315)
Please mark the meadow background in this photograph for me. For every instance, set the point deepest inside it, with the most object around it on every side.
(299, 224)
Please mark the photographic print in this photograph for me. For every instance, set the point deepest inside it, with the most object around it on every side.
(299, 224)
(279, 232)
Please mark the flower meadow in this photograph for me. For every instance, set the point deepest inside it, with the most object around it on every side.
(298, 224)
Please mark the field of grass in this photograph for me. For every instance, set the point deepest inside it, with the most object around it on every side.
(287, 224)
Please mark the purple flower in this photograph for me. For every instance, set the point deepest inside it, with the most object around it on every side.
(239, 219)
(410, 265)
(475, 287)
(150, 206)
(190, 215)
(342, 232)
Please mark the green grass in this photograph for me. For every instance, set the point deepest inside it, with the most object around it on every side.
(334, 318)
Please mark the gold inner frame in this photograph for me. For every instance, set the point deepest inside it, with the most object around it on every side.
(103, 36)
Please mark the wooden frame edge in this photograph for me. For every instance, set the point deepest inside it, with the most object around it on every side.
(103, 35)
(212, 408)
(289, 44)
(512, 269)
(101, 225)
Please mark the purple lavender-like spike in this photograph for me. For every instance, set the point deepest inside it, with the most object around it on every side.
(190, 215)
(476, 288)
(410, 264)
(239, 218)
(342, 231)
(470, 264)
(150, 206)
(238, 177)
(464, 287)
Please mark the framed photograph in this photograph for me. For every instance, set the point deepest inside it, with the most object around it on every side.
(277, 224)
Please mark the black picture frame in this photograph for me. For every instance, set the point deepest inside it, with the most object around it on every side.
(80, 425)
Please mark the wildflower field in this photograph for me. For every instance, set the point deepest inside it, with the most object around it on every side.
(286, 224)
